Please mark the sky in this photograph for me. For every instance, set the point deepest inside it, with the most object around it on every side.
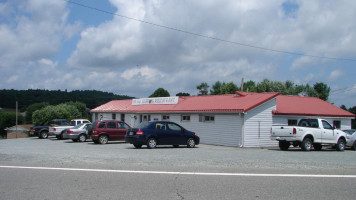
(134, 47)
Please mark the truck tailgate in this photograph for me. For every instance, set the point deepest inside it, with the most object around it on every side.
(282, 131)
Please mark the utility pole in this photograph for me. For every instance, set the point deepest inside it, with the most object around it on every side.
(16, 118)
(242, 85)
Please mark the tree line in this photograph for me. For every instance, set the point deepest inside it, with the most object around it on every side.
(92, 98)
(320, 90)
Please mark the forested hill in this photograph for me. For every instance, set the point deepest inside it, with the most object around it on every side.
(92, 98)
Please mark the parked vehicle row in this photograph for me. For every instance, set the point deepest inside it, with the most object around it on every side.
(56, 127)
(147, 133)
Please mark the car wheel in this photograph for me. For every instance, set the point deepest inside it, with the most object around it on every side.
(151, 143)
(74, 140)
(44, 135)
(191, 143)
(354, 146)
(103, 139)
(283, 145)
(137, 146)
(307, 144)
(317, 147)
(82, 138)
(340, 146)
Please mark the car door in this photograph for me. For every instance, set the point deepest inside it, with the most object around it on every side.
(122, 129)
(161, 133)
(112, 130)
(328, 133)
(175, 134)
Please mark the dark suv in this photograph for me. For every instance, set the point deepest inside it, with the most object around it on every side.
(108, 130)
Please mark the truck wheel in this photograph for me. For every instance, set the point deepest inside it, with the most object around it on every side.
(317, 147)
(44, 135)
(307, 144)
(340, 146)
(283, 145)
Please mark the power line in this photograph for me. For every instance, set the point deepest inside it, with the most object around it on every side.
(343, 90)
(209, 37)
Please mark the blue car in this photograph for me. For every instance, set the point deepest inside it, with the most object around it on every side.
(161, 133)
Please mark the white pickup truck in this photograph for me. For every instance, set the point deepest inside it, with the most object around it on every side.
(308, 134)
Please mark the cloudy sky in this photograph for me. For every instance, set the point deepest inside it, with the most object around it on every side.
(61, 45)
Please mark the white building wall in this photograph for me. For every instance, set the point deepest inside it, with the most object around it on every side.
(257, 125)
(225, 130)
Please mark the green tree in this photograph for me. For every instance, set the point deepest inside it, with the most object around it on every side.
(182, 94)
(8, 119)
(216, 88)
(203, 88)
(322, 91)
(250, 86)
(264, 86)
(31, 109)
(344, 107)
(61, 111)
(84, 112)
(229, 88)
(160, 92)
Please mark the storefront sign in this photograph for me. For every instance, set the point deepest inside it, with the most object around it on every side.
(158, 100)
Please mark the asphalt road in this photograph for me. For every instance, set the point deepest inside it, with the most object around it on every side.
(32, 168)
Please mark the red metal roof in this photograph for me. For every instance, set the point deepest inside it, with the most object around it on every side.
(308, 106)
(239, 102)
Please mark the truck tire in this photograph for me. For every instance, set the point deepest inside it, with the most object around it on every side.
(340, 146)
(283, 145)
(306, 144)
(44, 134)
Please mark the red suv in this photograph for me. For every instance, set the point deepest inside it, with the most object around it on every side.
(108, 130)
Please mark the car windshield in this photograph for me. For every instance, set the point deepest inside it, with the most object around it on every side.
(142, 125)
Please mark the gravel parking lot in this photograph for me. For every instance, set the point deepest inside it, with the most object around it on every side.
(118, 155)
(33, 168)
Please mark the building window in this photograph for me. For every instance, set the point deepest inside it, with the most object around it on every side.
(292, 122)
(186, 118)
(165, 117)
(123, 117)
(144, 118)
(113, 116)
(206, 118)
(337, 124)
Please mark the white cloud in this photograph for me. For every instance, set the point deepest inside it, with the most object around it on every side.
(119, 52)
(335, 75)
